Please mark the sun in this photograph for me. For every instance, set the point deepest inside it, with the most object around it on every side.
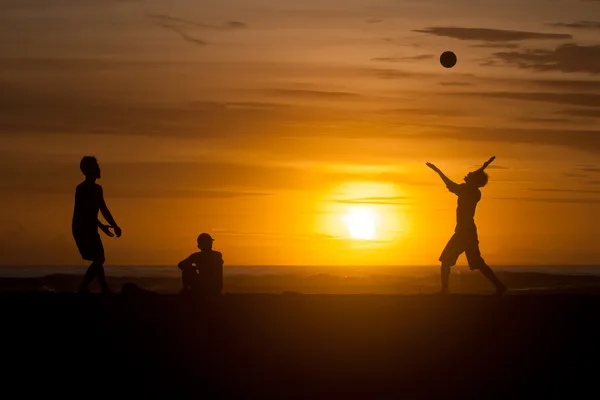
(360, 222)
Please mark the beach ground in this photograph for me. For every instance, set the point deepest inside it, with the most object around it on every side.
(524, 345)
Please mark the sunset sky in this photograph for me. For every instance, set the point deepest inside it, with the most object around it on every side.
(264, 122)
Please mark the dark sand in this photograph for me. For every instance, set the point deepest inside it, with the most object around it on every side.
(252, 346)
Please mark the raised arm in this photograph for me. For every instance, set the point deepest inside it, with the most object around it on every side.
(107, 215)
(487, 163)
(450, 184)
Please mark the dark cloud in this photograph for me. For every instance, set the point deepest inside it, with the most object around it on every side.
(426, 112)
(577, 25)
(588, 169)
(552, 200)
(567, 84)
(490, 35)
(584, 140)
(184, 35)
(383, 73)
(311, 94)
(165, 19)
(404, 58)
(577, 99)
(496, 45)
(581, 112)
(202, 180)
(459, 84)
(70, 110)
(590, 191)
(257, 105)
(181, 26)
(564, 58)
(547, 120)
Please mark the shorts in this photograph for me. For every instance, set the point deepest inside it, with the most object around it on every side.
(89, 245)
(463, 242)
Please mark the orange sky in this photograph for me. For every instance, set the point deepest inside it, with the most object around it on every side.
(263, 122)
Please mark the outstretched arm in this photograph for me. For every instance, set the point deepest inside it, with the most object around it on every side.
(108, 216)
(450, 184)
(487, 163)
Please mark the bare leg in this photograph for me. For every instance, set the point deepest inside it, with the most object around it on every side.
(102, 277)
(87, 279)
(445, 275)
(491, 276)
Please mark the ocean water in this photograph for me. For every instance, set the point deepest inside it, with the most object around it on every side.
(342, 271)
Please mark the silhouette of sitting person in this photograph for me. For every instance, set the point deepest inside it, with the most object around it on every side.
(89, 199)
(202, 272)
(465, 238)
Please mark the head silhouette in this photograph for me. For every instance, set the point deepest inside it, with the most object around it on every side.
(477, 178)
(205, 241)
(90, 168)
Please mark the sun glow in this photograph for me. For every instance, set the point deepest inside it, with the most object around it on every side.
(361, 223)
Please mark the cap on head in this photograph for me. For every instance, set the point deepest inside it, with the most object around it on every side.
(478, 178)
(204, 239)
(89, 166)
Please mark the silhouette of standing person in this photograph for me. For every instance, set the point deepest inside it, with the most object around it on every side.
(202, 272)
(465, 238)
(89, 199)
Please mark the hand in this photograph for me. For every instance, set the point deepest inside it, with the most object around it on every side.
(433, 167)
(106, 230)
(118, 230)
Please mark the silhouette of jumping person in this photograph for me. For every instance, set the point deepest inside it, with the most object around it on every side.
(89, 199)
(465, 238)
(202, 272)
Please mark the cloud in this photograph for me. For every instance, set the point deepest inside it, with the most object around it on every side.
(455, 83)
(564, 58)
(578, 99)
(591, 191)
(547, 120)
(377, 200)
(72, 111)
(568, 84)
(311, 94)
(373, 21)
(490, 35)
(181, 26)
(404, 58)
(581, 112)
(184, 35)
(594, 25)
(384, 73)
(584, 140)
(589, 169)
(165, 19)
(496, 45)
(426, 112)
(552, 200)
